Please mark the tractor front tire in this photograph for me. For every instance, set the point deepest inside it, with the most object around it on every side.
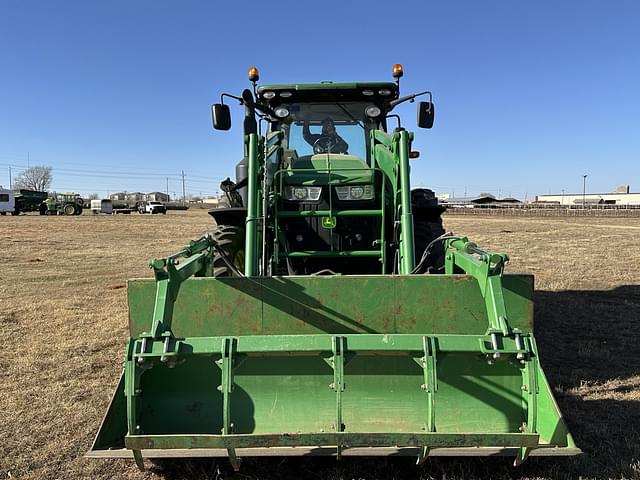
(69, 209)
(230, 240)
(424, 233)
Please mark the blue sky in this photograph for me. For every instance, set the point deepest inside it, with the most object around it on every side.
(115, 95)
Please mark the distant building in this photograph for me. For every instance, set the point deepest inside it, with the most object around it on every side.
(134, 197)
(157, 197)
(622, 196)
(119, 196)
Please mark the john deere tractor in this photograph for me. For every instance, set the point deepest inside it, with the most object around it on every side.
(62, 204)
(327, 312)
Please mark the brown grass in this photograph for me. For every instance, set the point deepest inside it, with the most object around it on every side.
(63, 325)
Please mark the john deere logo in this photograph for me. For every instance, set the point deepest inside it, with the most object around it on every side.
(329, 222)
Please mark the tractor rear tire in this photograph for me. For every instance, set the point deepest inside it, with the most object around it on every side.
(424, 233)
(230, 240)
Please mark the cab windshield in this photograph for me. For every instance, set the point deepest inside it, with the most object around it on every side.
(334, 128)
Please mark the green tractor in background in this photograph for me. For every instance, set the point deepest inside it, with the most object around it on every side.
(327, 312)
(62, 204)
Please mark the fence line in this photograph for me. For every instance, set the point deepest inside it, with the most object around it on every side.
(548, 210)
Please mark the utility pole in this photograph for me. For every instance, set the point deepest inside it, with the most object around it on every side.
(167, 186)
(562, 203)
(184, 198)
(584, 190)
(10, 183)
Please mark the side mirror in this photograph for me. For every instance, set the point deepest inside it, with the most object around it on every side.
(426, 112)
(221, 116)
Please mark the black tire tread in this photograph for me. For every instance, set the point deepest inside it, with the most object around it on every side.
(230, 240)
(424, 232)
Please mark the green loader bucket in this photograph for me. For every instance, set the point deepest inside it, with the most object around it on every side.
(338, 365)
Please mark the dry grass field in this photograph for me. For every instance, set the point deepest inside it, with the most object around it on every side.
(63, 328)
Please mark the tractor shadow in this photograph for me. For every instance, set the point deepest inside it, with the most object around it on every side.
(587, 342)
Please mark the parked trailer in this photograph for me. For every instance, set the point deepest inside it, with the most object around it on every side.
(102, 206)
(7, 202)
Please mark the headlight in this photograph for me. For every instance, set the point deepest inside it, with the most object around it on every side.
(301, 194)
(355, 192)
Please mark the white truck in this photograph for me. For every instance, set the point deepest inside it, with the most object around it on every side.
(152, 207)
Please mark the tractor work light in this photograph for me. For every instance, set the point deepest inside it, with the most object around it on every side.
(368, 93)
(268, 94)
(355, 192)
(254, 75)
(301, 193)
(372, 111)
(285, 94)
(397, 70)
(281, 112)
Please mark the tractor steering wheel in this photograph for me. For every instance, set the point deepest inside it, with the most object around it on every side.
(324, 144)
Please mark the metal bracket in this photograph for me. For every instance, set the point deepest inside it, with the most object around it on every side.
(530, 392)
(226, 363)
(170, 272)
(428, 363)
(337, 361)
(133, 373)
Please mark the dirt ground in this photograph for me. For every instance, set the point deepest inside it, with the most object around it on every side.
(63, 323)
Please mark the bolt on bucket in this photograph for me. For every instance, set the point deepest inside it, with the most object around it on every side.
(370, 365)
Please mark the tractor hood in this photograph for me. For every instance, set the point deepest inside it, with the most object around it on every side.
(332, 168)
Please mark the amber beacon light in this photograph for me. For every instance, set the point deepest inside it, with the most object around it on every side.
(254, 75)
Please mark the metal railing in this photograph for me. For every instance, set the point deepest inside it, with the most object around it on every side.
(548, 210)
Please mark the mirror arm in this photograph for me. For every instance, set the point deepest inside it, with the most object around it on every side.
(410, 98)
(240, 100)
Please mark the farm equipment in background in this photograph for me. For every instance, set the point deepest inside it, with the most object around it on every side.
(62, 204)
(29, 200)
(22, 200)
(327, 312)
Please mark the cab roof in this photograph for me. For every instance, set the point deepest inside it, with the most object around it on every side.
(328, 91)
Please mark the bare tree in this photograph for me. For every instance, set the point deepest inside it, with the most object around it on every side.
(94, 196)
(34, 178)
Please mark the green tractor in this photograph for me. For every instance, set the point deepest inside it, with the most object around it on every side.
(327, 312)
(62, 204)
